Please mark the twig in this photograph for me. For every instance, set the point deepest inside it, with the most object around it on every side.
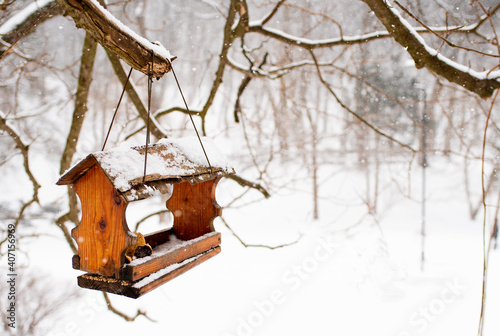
(25, 153)
(60, 222)
(485, 252)
(123, 315)
(259, 245)
(360, 118)
(448, 42)
(273, 12)
(149, 216)
(245, 183)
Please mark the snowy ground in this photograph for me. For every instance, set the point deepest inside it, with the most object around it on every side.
(349, 274)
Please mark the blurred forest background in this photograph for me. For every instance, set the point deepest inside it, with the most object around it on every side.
(295, 91)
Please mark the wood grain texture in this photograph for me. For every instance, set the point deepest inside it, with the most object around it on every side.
(174, 254)
(135, 289)
(102, 235)
(194, 208)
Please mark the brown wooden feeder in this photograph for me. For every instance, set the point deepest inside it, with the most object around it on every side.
(107, 181)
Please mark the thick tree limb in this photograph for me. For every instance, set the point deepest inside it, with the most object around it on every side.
(479, 83)
(136, 51)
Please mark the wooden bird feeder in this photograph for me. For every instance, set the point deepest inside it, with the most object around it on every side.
(107, 181)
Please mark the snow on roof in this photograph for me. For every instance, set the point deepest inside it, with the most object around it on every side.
(171, 160)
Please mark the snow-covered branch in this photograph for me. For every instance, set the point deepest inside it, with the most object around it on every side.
(482, 83)
(258, 27)
(138, 52)
(20, 23)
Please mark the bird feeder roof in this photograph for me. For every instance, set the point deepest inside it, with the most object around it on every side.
(168, 162)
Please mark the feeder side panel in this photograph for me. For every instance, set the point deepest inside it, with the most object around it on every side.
(194, 208)
(102, 234)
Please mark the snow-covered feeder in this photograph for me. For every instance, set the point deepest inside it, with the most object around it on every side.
(107, 181)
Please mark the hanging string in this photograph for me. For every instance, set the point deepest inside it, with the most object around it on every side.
(116, 109)
(190, 116)
(150, 89)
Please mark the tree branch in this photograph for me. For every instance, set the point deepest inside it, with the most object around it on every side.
(259, 245)
(67, 234)
(85, 77)
(258, 27)
(32, 15)
(245, 183)
(356, 115)
(123, 315)
(135, 50)
(445, 40)
(230, 35)
(483, 84)
(82, 93)
(4, 126)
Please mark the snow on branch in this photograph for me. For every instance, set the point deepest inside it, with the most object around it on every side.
(482, 83)
(21, 22)
(258, 27)
(135, 50)
(23, 15)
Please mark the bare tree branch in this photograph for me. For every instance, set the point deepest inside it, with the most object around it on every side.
(258, 245)
(486, 251)
(258, 27)
(356, 115)
(243, 86)
(123, 315)
(4, 126)
(245, 183)
(448, 42)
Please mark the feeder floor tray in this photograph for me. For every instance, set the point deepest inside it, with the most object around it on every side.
(170, 257)
(135, 289)
(167, 250)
